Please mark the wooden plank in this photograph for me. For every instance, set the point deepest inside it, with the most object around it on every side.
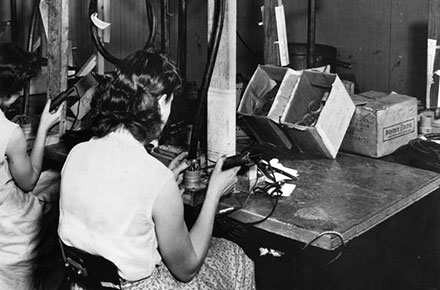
(271, 52)
(222, 90)
(58, 45)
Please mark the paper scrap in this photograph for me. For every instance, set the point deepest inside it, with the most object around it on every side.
(98, 22)
(272, 252)
(274, 162)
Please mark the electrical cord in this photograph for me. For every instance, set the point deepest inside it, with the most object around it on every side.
(272, 189)
(422, 152)
(213, 47)
(152, 23)
(255, 57)
(77, 109)
(334, 233)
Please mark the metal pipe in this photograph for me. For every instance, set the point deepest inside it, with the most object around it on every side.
(165, 10)
(311, 21)
(14, 21)
(182, 37)
(152, 23)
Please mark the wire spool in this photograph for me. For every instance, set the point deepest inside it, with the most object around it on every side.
(192, 179)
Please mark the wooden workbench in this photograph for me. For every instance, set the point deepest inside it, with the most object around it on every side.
(348, 195)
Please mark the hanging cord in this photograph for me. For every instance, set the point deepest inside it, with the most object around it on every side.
(30, 40)
(334, 233)
(256, 59)
(213, 47)
(152, 23)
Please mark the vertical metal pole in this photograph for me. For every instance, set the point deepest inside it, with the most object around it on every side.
(14, 21)
(182, 38)
(165, 7)
(311, 21)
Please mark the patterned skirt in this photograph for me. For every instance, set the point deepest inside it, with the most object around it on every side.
(226, 267)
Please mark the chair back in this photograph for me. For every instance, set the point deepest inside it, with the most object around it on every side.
(89, 271)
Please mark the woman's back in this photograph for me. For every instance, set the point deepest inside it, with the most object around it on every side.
(108, 189)
(18, 213)
(7, 185)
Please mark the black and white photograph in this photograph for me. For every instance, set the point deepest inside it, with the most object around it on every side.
(219, 144)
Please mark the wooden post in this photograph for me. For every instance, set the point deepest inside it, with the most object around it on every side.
(271, 52)
(102, 12)
(222, 90)
(58, 32)
(433, 57)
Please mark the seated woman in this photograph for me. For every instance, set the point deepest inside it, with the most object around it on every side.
(119, 202)
(21, 210)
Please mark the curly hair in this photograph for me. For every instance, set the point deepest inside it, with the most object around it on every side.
(129, 97)
(17, 67)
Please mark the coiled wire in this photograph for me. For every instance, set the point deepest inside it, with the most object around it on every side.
(152, 23)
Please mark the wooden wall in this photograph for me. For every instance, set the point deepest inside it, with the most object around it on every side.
(384, 40)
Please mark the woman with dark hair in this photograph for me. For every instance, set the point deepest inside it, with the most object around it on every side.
(120, 203)
(21, 210)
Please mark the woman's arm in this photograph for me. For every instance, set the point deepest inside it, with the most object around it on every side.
(184, 252)
(26, 169)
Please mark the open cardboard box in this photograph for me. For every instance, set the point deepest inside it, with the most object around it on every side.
(283, 122)
(381, 123)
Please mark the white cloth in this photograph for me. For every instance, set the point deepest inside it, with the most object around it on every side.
(108, 188)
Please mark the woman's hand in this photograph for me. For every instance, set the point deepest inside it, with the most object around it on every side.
(48, 119)
(222, 180)
(178, 165)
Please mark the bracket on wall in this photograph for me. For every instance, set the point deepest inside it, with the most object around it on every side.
(433, 56)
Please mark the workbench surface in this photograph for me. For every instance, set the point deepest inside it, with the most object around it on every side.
(348, 195)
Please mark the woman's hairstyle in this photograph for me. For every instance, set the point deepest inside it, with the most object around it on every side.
(16, 68)
(129, 97)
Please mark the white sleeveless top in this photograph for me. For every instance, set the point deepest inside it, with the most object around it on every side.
(19, 216)
(108, 188)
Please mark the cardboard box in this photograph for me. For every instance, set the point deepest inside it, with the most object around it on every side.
(381, 123)
(254, 107)
(292, 105)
